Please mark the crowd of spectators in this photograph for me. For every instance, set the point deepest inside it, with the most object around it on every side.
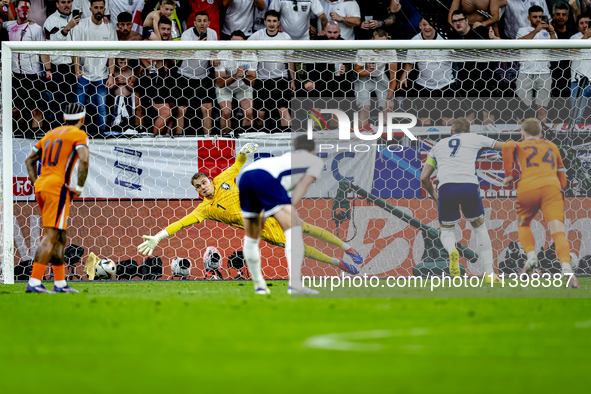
(169, 97)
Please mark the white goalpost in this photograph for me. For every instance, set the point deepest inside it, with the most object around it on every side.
(140, 185)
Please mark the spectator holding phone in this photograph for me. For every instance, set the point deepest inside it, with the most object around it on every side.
(84, 7)
(57, 28)
(516, 15)
(535, 76)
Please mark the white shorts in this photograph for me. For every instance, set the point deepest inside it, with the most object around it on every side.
(527, 83)
(365, 85)
(241, 92)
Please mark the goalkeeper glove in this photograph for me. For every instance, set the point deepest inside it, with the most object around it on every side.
(147, 247)
(249, 148)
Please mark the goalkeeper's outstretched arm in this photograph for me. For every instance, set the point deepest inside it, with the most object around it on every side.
(151, 241)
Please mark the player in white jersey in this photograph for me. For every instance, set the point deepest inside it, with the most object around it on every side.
(263, 190)
(455, 159)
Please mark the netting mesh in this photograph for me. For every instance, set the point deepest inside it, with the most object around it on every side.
(215, 102)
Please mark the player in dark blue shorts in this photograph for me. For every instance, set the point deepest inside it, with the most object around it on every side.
(264, 187)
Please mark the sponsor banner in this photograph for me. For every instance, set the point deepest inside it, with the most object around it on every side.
(162, 168)
(397, 174)
(389, 246)
(138, 168)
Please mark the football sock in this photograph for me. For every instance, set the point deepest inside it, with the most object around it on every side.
(448, 238)
(37, 274)
(526, 237)
(252, 256)
(323, 235)
(566, 267)
(484, 248)
(59, 275)
(562, 247)
(294, 251)
(317, 255)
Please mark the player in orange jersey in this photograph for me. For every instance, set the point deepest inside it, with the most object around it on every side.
(542, 181)
(58, 152)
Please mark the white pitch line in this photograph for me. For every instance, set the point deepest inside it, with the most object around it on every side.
(583, 324)
(341, 341)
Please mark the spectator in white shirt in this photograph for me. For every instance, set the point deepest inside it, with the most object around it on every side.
(535, 76)
(240, 16)
(346, 13)
(580, 85)
(516, 13)
(94, 74)
(116, 7)
(158, 85)
(379, 78)
(195, 81)
(435, 79)
(234, 79)
(85, 5)
(27, 69)
(296, 14)
(275, 80)
(57, 27)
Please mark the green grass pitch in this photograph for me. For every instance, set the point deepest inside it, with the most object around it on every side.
(205, 337)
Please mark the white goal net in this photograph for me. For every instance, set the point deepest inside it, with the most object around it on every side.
(158, 113)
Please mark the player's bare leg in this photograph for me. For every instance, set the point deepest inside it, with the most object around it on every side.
(207, 119)
(364, 116)
(37, 122)
(285, 117)
(139, 117)
(248, 119)
(180, 120)
(253, 228)
(225, 121)
(558, 232)
(163, 115)
(542, 113)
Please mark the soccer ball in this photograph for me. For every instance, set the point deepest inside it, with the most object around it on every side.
(180, 267)
(105, 269)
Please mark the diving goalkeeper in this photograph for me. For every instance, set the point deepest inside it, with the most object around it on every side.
(221, 203)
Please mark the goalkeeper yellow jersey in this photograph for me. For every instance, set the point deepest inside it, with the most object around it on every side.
(224, 207)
